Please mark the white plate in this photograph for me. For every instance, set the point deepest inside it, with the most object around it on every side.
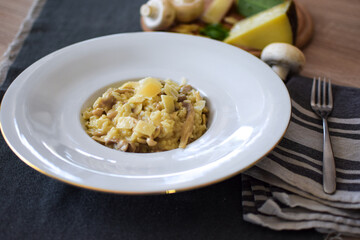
(41, 121)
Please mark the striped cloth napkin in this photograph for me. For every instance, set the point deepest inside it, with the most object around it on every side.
(284, 190)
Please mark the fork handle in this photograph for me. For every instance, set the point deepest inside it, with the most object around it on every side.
(329, 171)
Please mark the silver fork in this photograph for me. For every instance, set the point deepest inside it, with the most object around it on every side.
(322, 105)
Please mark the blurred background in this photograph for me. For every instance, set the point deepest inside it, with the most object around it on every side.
(332, 52)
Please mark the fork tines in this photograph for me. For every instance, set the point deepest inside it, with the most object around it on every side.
(321, 95)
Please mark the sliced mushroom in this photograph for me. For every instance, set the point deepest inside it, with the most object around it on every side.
(141, 140)
(188, 125)
(284, 58)
(156, 132)
(151, 142)
(121, 91)
(125, 146)
(105, 102)
(185, 89)
(122, 145)
(111, 140)
(97, 112)
(181, 98)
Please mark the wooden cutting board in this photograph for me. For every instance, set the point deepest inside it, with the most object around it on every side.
(304, 31)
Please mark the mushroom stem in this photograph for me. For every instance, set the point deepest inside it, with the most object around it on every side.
(147, 11)
(188, 125)
(281, 71)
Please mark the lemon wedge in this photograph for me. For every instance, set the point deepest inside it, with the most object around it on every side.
(276, 24)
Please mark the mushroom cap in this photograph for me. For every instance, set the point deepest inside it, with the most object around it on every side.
(283, 54)
(157, 14)
(187, 10)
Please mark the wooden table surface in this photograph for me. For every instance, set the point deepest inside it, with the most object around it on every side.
(333, 52)
(12, 13)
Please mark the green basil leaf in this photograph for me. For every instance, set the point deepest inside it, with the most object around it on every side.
(215, 31)
(251, 7)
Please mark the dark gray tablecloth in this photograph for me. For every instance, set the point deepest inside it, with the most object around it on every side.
(33, 206)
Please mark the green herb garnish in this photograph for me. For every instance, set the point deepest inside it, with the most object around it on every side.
(215, 31)
(251, 7)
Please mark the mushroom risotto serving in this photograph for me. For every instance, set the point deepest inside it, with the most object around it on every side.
(149, 115)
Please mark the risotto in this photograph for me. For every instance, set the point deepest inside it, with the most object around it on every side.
(149, 115)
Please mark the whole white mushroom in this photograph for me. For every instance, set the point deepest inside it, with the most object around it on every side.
(284, 58)
(187, 10)
(157, 14)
